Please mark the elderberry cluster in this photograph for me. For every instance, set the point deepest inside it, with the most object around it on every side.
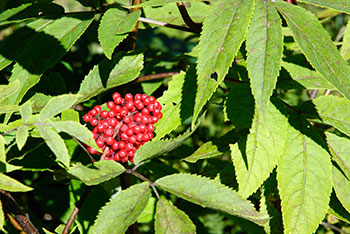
(127, 125)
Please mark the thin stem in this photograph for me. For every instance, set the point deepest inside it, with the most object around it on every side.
(332, 227)
(32, 124)
(137, 166)
(327, 92)
(138, 175)
(150, 21)
(76, 210)
(12, 206)
(13, 221)
(313, 94)
(187, 19)
(156, 76)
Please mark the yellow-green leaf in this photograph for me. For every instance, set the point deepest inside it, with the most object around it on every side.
(9, 184)
(56, 105)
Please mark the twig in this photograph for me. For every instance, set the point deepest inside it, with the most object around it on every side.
(84, 148)
(76, 210)
(12, 206)
(150, 21)
(32, 124)
(332, 227)
(187, 19)
(313, 94)
(327, 92)
(13, 221)
(156, 76)
(138, 175)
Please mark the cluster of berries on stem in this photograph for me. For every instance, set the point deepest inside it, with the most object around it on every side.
(127, 125)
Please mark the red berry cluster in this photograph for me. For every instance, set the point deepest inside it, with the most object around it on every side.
(127, 125)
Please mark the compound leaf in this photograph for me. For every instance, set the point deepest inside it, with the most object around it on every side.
(170, 220)
(304, 175)
(9, 184)
(114, 28)
(55, 143)
(255, 157)
(122, 210)
(102, 171)
(56, 105)
(264, 46)
(320, 51)
(209, 193)
(223, 32)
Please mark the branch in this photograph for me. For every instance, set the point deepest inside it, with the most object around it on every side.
(12, 206)
(150, 21)
(187, 19)
(156, 76)
(76, 210)
(138, 175)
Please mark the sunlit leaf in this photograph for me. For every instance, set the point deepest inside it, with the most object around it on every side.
(56, 105)
(11, 185)
(340, 5)
(21, 136)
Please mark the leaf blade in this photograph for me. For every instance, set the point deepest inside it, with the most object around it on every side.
(9, 184)
(56, 105)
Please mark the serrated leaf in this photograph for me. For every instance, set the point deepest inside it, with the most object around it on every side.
(38, 101)
(159, 3)
(8, 108)
(255, 157)
(7, 90)
(207, 150)
(76, 130)
(102, 171)
(21, 136)
(26, 110)
(154, 149)
(320, 51)
(56, 105)
(340, 148)
(264, 46)
(209, 193)
(170, 220)
(304, 175)
(55, 143)
(70, 115)
(2, 149)
(223, 32)
(114, 28)
(345, 49)
(177, 102)
(109, 74)
(11, 185)
(333, 110)
(308, 78)
(239, 106)
(340, 5)
(122, 210)
(44, 50)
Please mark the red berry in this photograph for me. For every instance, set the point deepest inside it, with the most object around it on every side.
(110, 140)
(112, 122)
(138, 97)
(128, 97)
(98, 109)
(115, 95)
(129, 132)
(127, 119)
(132, 139)
(118, 100)
(87, 117)
(110, 105)
(99, 143)
(150, 128)
(139, 137)
(124, 127)
(122, 144)
(91, 150)
(111, 114)
(129, 105)
(143, 128)
(124, 136)
(101, 128)
(104, 114)
(152, 99)
(93, 112)
(109, 132)
(94, 122)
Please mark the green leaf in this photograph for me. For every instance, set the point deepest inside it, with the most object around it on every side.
(2, 149)
(2, 217)
(255, 157)
(11, 185)
(333, 110)
(38, 101)
(7, 90)
(177, 102)
(170, 220)
(320, 51)
(148, 213)
(239, 106)
(109, 74)
(70, 115)
(26, 110)
(345, 49)
(209, 193)
(122, 210)
(341, 188)
(265, 47)
(159, 3)
(223, 32)
(55, 143)
(304, 175)
(337, 209)
(8, 109)
(76, 130)
(21, 136)
(102, 171)
(114, 28)
(207, 150)
(339, 148)
(340, 5)
(56, 105)
(154, 149)
(308, 78)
